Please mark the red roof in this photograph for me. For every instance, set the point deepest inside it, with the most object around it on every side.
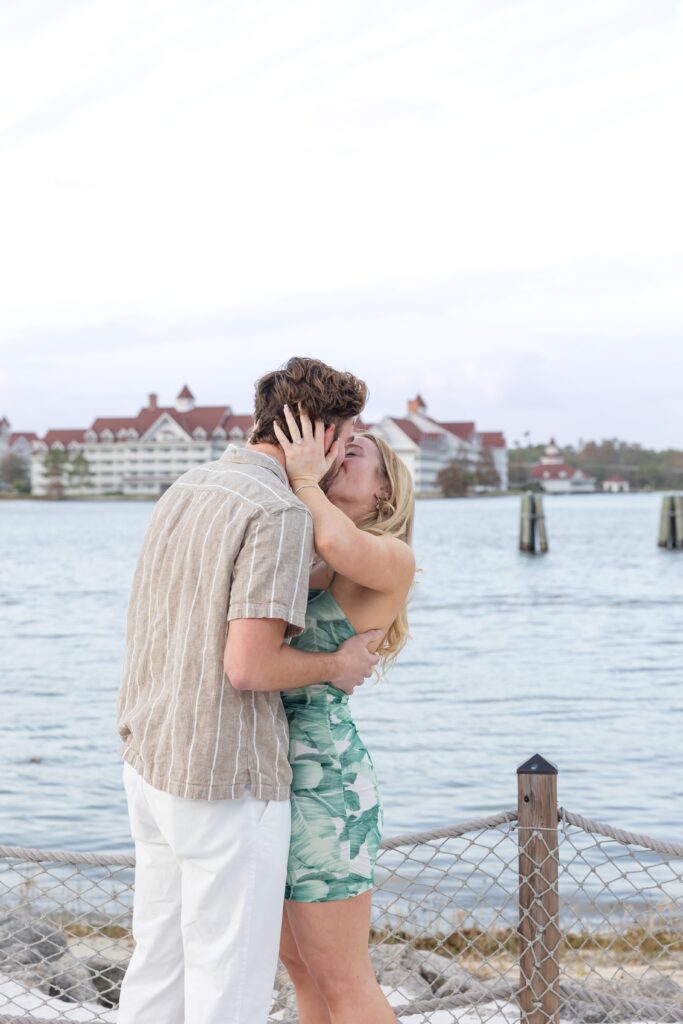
(28, 435)
(492, 439)
(431, 437)
(112, 423)
(245, 423)
(616, 480)
(462, 430)
(65, 436)
(409, 428)
(208, 417)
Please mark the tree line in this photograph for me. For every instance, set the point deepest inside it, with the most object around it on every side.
(644, 468)
(459, 476)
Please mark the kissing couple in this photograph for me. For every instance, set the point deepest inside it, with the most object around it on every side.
(270, 584)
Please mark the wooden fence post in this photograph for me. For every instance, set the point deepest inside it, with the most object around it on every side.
(539, 903)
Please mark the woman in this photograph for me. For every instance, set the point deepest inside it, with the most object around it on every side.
(363, 531)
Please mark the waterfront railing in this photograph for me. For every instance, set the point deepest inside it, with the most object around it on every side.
(536, 914)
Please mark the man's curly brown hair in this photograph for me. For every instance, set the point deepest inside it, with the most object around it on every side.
(326, 394)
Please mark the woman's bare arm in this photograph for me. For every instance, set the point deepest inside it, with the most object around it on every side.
(381, 563)
(384, 564)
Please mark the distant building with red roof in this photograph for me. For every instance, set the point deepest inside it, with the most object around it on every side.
(557, 477)
(142, 454)
(22, 435)
(19, 443)
(427, 445)
(64, 438)
(493, 439)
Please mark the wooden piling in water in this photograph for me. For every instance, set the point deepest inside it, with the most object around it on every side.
(665, 522)
(526, 528)
(678, 520)
(532, 528)
(539, 901)
(540, 524)
(671, 523)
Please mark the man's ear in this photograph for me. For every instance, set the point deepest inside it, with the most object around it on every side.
(329, 436)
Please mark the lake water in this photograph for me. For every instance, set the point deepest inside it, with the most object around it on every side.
(577, 655)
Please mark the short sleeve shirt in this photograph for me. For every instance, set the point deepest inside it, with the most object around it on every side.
(228, 540)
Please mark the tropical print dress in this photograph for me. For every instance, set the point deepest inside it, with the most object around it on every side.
(336, 808)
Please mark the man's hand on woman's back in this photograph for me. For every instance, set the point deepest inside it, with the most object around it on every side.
(257, 657)
(354, 661)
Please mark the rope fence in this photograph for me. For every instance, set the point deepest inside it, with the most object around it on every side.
(536, 914)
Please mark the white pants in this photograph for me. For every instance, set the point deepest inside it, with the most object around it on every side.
(209, 891)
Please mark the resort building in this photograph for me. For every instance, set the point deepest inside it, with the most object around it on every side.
(136, 455)
(16, 443)
(427, 445)
(616, 485)
(142, 455)
(556, 477)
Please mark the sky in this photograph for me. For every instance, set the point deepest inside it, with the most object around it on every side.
(476, 200)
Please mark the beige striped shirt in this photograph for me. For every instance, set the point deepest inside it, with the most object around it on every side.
(228, 540)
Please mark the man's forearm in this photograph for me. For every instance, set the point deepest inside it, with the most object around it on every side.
(286, 669)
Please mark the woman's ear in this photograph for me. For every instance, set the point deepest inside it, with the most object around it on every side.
(381, 499)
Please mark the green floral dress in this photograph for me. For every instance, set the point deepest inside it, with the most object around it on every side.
(336, 807)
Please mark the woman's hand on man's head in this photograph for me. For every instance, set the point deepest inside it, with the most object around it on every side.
(310, 451)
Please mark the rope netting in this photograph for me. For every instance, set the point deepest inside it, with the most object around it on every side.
(599, 936)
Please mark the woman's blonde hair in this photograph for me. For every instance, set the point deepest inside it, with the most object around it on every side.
(393, 517)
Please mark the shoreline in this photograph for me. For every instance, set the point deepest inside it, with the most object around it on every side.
(511, 493)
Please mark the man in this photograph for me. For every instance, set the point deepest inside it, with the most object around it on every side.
(220, 585)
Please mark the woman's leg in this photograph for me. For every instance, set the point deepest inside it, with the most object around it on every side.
(332, 939)
(311, 1005)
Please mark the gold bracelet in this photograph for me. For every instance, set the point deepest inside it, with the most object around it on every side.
(305, 485)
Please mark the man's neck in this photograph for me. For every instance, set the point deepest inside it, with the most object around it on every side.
(274, 450)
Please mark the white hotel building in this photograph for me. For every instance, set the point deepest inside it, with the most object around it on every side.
(427, 445)
(142, 455)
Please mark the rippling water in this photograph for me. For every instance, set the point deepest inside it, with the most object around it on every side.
(576, 654)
